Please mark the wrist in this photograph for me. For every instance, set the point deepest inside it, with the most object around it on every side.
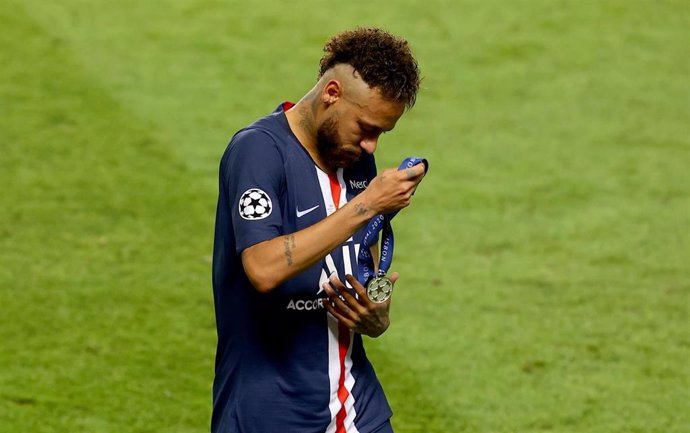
(362, 208)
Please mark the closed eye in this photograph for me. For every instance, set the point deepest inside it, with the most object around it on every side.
(370, 130)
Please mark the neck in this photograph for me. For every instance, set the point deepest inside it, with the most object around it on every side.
(302, 121)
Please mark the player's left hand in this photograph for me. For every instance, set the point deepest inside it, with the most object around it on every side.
(359, 313)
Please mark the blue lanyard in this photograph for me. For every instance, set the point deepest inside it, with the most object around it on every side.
(381, 223)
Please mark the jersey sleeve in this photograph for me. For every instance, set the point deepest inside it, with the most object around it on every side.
(254, 173)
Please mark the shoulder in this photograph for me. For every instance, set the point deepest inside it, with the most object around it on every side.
(252, 138)
(263, 140)
(265, 132)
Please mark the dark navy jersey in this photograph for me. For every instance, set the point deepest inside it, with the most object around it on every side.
(283, 363)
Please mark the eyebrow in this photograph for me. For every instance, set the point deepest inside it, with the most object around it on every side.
(369, 126)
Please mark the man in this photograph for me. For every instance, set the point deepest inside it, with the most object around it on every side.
(296, 189)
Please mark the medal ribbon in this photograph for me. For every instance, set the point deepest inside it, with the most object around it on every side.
(381, 223)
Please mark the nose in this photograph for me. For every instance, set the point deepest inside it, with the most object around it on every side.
(369, 144)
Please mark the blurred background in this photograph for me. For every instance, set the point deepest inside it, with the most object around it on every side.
(545, 260)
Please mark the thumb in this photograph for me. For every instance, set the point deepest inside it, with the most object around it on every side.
(394, 277)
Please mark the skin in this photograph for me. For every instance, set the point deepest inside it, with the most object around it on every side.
(357, 313)
(347, 116)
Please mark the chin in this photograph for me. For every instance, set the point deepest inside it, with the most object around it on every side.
(349, 161)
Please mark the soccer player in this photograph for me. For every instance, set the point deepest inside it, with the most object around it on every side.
(297, 187)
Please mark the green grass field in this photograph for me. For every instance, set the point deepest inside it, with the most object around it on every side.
(545, 260)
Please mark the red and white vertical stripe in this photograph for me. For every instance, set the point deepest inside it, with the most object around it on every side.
(342, 403)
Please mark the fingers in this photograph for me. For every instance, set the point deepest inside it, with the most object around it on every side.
(361, 291)
(338, 285)
(392, 189)
(358, 313)
(342, 300)
(339, 316)
(414, 173)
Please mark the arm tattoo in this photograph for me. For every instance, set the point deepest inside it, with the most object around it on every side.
(360, 209)
(289, 244)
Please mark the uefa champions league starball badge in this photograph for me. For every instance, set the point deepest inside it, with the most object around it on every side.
(379, 289)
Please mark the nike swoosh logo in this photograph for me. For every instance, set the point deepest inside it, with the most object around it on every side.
(301, 213)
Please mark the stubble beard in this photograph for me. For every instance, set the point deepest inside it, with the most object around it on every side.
(330, 147)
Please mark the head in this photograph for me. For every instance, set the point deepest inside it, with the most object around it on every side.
(367, 79)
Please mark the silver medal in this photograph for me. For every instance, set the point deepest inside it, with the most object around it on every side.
(379, 289)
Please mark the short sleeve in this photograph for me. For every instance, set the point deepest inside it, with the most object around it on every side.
(254, 175)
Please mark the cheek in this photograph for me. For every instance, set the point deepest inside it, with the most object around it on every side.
(353, 137)
(350, 132)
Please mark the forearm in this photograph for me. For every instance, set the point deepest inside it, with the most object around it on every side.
(271, 262)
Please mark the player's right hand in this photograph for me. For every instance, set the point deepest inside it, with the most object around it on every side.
(392, 189)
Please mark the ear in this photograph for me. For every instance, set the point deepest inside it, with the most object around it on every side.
(332, 91)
